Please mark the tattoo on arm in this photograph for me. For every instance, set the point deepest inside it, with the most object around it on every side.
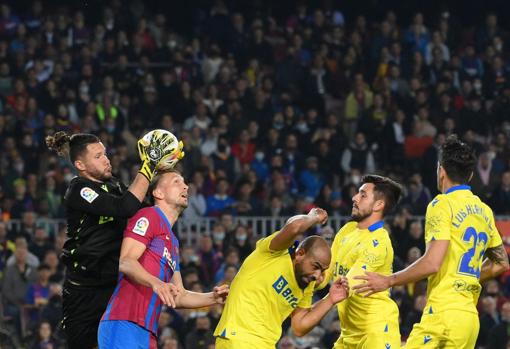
(497, 255)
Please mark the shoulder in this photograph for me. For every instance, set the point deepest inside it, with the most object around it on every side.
(441, 201)
(83, 187)
(382, 234)
(146, 212)
(345, 229)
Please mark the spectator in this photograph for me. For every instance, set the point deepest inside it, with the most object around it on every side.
(15, 283)
(358, 155)
(201, 336)
(221, 200)
(498, 335)
(21, 243)
(501, 196)
(44, 338)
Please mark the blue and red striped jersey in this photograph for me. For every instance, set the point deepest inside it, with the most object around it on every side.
(130, 300)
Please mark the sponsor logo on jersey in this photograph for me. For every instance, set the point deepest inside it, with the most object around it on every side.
(141, 226)
(171, 262)
(280, 286)
(88, 194)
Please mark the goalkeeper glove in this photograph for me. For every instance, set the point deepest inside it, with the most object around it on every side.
(153, 153)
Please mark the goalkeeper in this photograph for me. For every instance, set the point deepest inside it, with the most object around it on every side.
(98, 207)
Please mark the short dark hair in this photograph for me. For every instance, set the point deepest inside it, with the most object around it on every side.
(458, 159)
(70, 147)
(386, 188)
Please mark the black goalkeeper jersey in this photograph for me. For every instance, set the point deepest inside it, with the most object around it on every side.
(97, 213)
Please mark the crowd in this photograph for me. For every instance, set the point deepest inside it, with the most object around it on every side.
(278, 113)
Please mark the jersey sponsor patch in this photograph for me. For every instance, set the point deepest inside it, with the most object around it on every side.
(141, 226)
(88, 194)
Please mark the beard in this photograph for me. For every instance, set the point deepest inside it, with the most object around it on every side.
(102, 176)
(300, 279)
(359, 216)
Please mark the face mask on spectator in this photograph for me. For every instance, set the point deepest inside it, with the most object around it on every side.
(218, 236)
(241, 237)
(194, 258)
(259, 156)
(355, 179)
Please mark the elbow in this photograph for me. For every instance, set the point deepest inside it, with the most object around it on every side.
(299, 332)
(123, 265)
(502, 269)
(434, 268)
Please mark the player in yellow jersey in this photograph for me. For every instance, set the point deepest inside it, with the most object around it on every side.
(460, 232)
(364, 245)
(275, 282)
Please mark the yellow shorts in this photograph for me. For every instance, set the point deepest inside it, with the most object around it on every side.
(450, 329)
(228, 343)
(386, 338)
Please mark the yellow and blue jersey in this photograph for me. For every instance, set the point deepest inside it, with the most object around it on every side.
(262, 295)
(462, 218)
(354, 251)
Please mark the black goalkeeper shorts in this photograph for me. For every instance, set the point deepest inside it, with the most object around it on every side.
(82, 310)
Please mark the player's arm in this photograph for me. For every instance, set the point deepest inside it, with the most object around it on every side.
(130, 252)
(496, 263)
(428, 264)
(297, 225)
(304, 319)
(496, 258)
(189, 299)
(437, 236)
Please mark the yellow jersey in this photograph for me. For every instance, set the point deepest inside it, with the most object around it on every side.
(262, 295)
(462, 218)
(359, 250)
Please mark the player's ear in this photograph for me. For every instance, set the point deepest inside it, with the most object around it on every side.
(80, 165)
(157, 193)
(300, 252)
(379, 205)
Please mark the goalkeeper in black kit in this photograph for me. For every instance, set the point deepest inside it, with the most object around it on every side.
(98, 207)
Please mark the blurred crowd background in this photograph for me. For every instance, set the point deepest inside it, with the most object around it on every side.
(281, 106)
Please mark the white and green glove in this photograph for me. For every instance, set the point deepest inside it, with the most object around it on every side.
(158, 150)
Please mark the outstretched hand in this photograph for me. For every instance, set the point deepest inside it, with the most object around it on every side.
(220, 293)
(167, 292)
(374, 283)
(339, 290)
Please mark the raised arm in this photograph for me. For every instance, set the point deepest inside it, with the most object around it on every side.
(297, 225)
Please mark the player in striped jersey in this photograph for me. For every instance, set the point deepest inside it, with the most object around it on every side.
(149, 271)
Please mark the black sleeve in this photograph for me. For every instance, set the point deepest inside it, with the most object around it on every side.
(86, 197)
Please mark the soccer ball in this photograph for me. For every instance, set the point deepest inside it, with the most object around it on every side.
(167, 144)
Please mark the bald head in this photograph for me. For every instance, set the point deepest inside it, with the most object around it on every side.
(312, 258)
(316, 245)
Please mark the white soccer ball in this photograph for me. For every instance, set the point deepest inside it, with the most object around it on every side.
(169, 144)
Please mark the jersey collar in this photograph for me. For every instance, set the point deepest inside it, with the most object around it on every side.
(458, 187)
(162, 215)
(375, 226)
